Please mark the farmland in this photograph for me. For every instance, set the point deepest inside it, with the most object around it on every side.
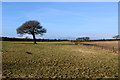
(57, 59)
(108, 45)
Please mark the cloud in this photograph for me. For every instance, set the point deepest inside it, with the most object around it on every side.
(45, 12)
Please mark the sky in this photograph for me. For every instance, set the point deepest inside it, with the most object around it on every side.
(63, 20)
(60, 0)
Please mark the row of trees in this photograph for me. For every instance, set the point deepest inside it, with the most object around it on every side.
(88, 38)
(28, 39)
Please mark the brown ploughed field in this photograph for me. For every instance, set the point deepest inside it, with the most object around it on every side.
(109, 45)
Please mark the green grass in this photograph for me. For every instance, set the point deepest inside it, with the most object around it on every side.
(57, 59)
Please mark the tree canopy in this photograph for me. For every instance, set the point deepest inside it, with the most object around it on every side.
(31, 27)
(83, 38)
(116, 37)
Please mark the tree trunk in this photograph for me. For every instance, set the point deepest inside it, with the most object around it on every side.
(34, 39)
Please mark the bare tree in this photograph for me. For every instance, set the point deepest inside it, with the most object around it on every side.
(31, 27)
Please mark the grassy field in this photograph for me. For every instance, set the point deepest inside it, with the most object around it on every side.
(109, 45)
(57, 59)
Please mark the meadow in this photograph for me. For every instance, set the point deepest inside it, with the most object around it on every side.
(57, 59)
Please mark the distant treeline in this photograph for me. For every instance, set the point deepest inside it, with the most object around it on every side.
(96, 40)
(27, 39)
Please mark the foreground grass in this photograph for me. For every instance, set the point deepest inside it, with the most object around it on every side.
(57, 59)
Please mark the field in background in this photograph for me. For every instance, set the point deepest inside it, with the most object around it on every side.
(57, 59)
(109, 45)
